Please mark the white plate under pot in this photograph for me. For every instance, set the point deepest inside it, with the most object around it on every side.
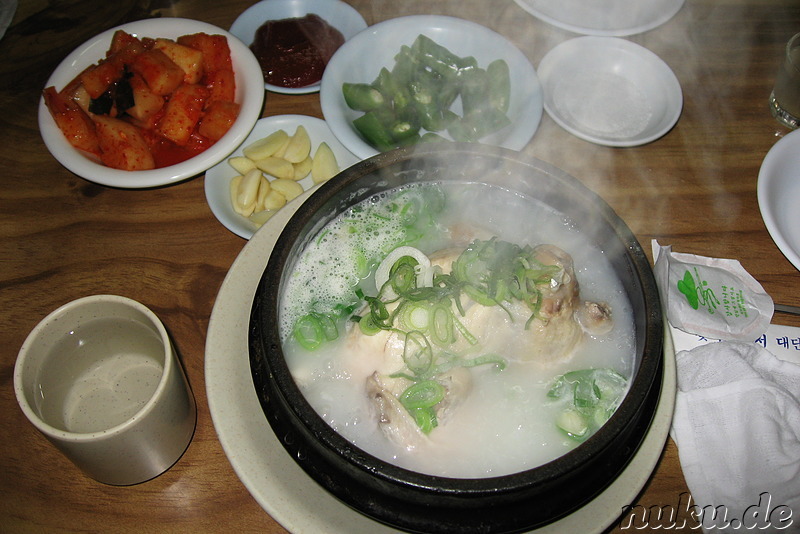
(280, 485)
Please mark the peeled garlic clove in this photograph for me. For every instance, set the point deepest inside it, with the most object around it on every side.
(288, 188)
(274, 200)
(241, 164)
(324, 166)
(279, 153)
(267, 146)
(299, 146)
(302, 169)
(260, 217)
(244, 211)
(248, 188)
(234, 188)
(263, 190)
(277, 167)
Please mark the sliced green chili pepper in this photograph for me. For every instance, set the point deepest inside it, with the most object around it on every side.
(402, 130)
(478, 124)
(499, 78)
(432, 137)
(474, 91)
(374, 131)
(405, 67)
(439, 59)
(362, 96)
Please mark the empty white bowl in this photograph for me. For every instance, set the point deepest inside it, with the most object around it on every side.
(338, 14)
(779, 193)
(361, 58)
(249, 94)
(610, 91)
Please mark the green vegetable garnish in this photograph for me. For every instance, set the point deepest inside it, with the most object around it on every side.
(419, 399)
(424, 394)
(424, 307)
(591, 396)
(313, 329)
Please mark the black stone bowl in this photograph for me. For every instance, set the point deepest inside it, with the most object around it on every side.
(417, 502)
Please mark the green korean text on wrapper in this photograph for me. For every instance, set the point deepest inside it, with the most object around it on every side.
(711, 297)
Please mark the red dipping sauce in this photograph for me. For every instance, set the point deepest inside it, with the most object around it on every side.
(294, 52)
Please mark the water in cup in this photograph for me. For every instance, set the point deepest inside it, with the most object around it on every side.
(100, 375)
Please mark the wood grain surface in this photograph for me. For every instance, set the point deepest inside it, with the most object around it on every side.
(62, 237)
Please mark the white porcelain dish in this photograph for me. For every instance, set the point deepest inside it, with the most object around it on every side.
(278, 483)
(218, 178)
(610, 91)
(603, 17)
(7, 10)
(779, 193)
(362, 57)
(338, 14)
(249, 94)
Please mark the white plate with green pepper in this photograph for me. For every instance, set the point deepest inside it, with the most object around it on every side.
(428, 78)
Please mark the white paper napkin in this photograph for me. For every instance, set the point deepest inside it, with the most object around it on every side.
(737, 428)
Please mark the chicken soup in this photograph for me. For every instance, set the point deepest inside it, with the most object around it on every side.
(459, 330)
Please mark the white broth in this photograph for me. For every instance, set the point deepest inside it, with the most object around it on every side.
(505, 422)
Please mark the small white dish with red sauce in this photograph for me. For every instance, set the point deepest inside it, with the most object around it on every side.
(249, 95)
(337, 14)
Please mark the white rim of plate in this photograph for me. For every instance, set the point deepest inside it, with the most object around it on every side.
(532, 7)
(787, 147)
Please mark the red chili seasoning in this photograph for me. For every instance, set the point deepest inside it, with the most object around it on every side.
(294, 52)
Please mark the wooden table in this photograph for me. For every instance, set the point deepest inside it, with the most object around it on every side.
(62, 237)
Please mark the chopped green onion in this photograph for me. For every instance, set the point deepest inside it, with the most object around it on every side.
(417, 353)
(403, 276)
(308, 331)
(592, 394)
(486, 359)
(441, 325)
(368, 326)
(472, 340)
(415, 316)
(479, 296)
(384, 272)
(454, 361)
(425, 419)
(424, 394)
(573, 423)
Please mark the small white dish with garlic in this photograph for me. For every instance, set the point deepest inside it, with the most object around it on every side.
(242, 199)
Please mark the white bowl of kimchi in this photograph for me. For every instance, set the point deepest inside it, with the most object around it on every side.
(178, 150)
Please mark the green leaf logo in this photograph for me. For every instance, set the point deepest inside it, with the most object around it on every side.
(689, 289)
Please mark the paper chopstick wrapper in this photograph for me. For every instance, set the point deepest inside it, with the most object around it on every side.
(711, 297)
